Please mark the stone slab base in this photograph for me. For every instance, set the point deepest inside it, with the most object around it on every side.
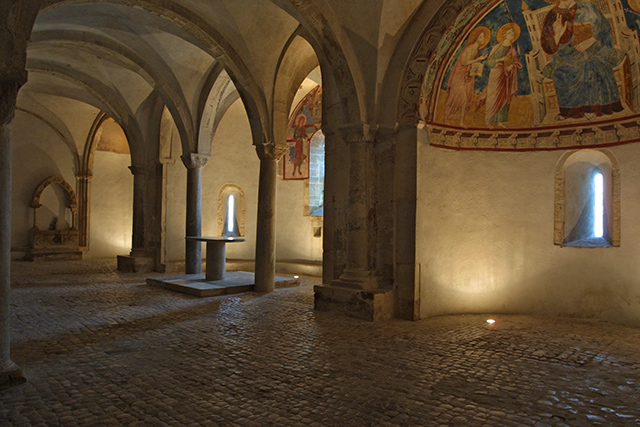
(234, 282)
(135, 264)
(11, 378)
(301, 267)
(362, 304)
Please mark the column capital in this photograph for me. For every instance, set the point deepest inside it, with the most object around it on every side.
(357, 132)
(11, 80)
(195, 160)
(271, 151)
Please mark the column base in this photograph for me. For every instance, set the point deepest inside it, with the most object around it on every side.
(357, 279)
(11, 376)
(363, 304)
(136, 263)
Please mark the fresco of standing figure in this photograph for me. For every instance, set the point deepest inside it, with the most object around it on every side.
(468, 66)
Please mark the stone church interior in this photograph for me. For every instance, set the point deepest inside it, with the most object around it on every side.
(412, 160)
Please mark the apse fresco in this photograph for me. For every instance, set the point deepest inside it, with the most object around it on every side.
(303, 123)
(542, 64)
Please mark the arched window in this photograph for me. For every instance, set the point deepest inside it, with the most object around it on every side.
(231, 211)
(587, 211)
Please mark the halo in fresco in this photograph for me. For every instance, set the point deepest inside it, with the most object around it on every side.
(540, 64)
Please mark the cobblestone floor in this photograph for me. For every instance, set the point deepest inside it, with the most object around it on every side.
(104, 349)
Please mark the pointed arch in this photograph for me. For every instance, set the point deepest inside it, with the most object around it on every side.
(298, 59)
(218, 96)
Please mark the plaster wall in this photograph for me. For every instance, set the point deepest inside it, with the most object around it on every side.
(295, 238)
(485, 239)
(38, 153)
(111, 206)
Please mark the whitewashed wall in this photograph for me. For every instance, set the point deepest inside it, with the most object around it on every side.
(485, 239)
(111, 206)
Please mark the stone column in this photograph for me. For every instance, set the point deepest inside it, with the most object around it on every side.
(265, 268)
(359, 271)
(408, 291)
(83, 190)
(140, 259)
(161, 209)
(193, 250)
(139, 187)
(10, 81)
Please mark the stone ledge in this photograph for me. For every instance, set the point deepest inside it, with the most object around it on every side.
(369, 305)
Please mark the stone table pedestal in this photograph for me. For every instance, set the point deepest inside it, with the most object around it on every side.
(216, 254)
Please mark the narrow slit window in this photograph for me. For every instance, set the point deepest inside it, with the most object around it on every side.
(231, 211)
(598, 209)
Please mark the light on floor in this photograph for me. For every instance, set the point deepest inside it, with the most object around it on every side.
(296, 277)
(491, 321)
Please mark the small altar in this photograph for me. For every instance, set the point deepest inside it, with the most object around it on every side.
(55, 242)
(216, 280)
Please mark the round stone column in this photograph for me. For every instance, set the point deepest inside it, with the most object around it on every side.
(10, 82)
(265, 269)
(193, 249)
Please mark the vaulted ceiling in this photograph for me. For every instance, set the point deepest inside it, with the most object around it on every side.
(128, 58)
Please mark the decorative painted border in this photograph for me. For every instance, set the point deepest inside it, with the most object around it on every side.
(602, 134)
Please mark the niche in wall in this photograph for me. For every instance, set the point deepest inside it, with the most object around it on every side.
(231, 211)
(59, 240)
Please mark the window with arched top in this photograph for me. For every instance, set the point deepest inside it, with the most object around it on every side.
(231, 211)
(587, 200)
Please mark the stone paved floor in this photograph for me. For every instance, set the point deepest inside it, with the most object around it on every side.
(103, 349)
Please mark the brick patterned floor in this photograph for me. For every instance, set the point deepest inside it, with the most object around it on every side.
(101, 348)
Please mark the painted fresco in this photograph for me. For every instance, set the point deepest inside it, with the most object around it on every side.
(542, 64)
(304, 122)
